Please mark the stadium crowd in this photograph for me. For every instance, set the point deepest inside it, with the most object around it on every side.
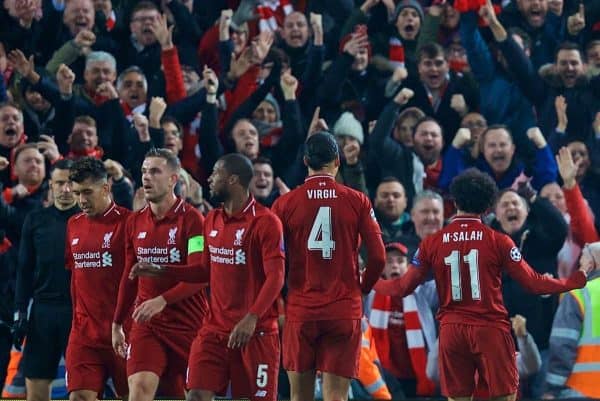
(414, 91)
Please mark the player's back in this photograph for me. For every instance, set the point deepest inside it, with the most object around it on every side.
(321, 221)
(467, 261)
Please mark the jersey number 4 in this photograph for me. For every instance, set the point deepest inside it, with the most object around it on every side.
(320, 237)
(471, 259)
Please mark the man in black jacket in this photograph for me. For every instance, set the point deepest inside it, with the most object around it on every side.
(41, 276)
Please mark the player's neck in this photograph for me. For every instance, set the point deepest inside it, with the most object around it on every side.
(461, 213)
(324, 171)
(236, 203)
(162, 207)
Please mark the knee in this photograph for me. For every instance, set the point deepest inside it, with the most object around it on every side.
(199, 395)
(81, 396)
(141, 388)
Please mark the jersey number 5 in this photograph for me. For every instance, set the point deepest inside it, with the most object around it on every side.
(320, 238)
(471, 259)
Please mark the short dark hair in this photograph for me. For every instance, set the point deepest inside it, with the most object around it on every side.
(62, 164)
(174, 121)
(320, 149)
(20, 148)
(425, 119)
(569, 46)
(88, 168)
(493, 127)
(144, 5)
(162, 153)
(240, 165)
(390, 178)
(430, 50)
(262, 160)
(473, 191)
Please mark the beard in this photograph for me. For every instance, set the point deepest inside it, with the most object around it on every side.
(219, 197)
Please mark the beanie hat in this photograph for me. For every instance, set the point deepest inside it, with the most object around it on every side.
(348, 125)
(408, 4)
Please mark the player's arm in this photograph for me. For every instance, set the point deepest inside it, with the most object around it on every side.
(402, 286)
(270, 235)
(127, 287)
(194, 228)
(370, 232)
(531, 280)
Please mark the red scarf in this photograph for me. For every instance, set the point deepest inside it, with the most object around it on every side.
(5, 245)
(396, 53)
(462, 6)
(96, 153)
(379, 319)
(271, 14)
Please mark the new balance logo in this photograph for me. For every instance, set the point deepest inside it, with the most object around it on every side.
(142, 235)
(107, 259)
(240, 257)
(174, 255)
(75, 241)
(261, 393)
(213, 233)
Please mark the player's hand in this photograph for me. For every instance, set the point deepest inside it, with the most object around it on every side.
(48, 148)
(19, 330)
(145, 269)
(403, 96)
(317, 124)
(567, 167)
(281, 186)
(587, 265)
(118, 340)
(519, 325)
(535, 135)
(148, 309)
(459, 104)
(242, 332)
(462, 137)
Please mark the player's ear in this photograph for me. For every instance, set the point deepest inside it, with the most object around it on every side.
(337, 162)
(305, 159)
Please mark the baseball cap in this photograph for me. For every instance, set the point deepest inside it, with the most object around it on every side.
(321, 148)
(397, 246)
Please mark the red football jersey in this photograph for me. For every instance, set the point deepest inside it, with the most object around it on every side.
(237, 249)
(467, 259)
(95, 254)
(176, 239)
(322, 223)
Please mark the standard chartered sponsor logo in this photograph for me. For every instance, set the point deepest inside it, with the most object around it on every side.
(240, 257)
(174, 255)
(107, 259)
(158, 254)
(85, 260)
(227, 256)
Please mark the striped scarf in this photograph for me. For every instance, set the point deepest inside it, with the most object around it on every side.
(379, 319)
(396, 52)
(271, 12)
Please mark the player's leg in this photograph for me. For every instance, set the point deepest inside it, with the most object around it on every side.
(146, 362)
(142, 386)
(83, 395)
(302, 385)
(208, 367)
(496, 361)
(38, 389)
(260, 360)
(335, 388)
(338, 352)
(200, 395)
(299, 358)
(457, 362)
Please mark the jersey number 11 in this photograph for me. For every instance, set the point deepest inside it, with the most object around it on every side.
(471, 259)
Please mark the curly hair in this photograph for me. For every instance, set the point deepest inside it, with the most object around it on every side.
(473, 191)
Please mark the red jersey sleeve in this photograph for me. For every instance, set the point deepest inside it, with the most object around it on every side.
(194, 228)
(582, 220)
(127, 287)
(531, 280)
(270, 235)
(370, 233)
(416, 274)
